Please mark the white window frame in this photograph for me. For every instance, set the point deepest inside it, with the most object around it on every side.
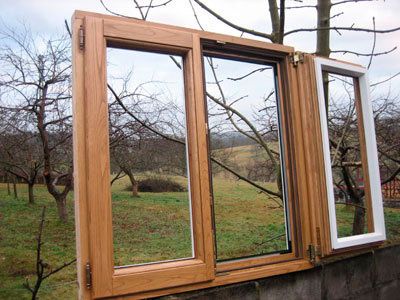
(328, 65)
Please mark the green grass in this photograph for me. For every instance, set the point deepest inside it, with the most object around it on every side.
(19, 223)
(246, 221)
(152, 227)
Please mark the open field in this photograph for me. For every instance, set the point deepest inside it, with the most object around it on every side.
(240, 211)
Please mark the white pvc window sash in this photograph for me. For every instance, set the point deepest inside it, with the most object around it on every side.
(378, 234)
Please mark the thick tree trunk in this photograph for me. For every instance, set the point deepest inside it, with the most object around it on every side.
(323, 21)
(31, 196)
(135, 185)
(134, 182)
(274, 15)
(62, 209)
(135, 189)
(323, 40)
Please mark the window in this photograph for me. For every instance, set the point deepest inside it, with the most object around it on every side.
(350, 155)
(233, 126)
(150, 101)
(246, 161)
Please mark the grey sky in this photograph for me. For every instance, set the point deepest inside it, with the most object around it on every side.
(47, 17)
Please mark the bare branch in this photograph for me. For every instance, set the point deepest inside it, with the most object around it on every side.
(248, 74)
(114, 13)
(195, 15)
(350, 28)
(373, 45)
(153, 5)
(385, 80)
(392, 176)
(237, 27)
(349, 1)
(364, 54)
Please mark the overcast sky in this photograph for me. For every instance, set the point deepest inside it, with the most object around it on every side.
(47, 17)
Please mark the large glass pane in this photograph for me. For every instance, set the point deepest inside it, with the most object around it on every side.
(247, 178)
(345, 131)
(150, 185)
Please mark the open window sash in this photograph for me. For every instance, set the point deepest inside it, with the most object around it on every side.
(373, 196)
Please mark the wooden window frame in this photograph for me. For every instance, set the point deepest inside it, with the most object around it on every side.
(108, 280)
(303, 156)
(368, 151)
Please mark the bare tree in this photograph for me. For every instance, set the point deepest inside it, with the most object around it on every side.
(133, 147)
(36, 84)
(20, 154)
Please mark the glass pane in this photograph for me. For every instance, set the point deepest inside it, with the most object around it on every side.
(348, 171)
(150, 185)
(247, 180)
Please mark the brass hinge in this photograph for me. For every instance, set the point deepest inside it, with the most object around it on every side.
(296, 57)
(88, 270)
(313, 251)
(81, 37)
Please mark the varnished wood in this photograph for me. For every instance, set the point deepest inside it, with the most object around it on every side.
(97, 158)
(240, 264)
(203, 174)
(231, 277)
(80, 199)
(364, 159)
(147, 33)
(202, 34)
(316, 171)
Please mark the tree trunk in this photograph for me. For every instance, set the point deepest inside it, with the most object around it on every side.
(274, 15)
(135, 184)
(323, 40)
(15, 188)
(8, 185)
(62, 209)
(359, 220)
(323, 21)
(31, 197)
(135, 189)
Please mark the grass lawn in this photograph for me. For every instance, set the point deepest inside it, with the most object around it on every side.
(152, 227)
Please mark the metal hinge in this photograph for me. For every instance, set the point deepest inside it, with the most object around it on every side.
(313, 252)
(81, 37)
(296, 57)
(88, 270)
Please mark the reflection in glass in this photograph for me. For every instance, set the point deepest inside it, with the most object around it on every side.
(247, 180)
(348, 170)
(150, 186)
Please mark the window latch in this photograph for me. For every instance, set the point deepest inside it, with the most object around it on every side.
(296, 58)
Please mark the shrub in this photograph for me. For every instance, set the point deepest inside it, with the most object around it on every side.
(158, 185)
